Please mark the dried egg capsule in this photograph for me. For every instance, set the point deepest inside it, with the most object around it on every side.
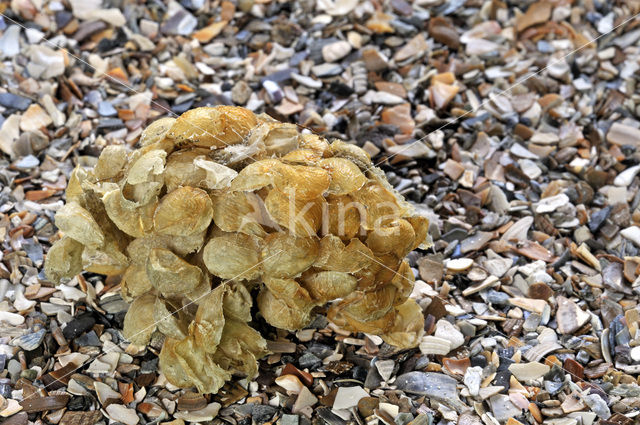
(380, 204)
(127, 216)
(170, 318)
(209, 321)
(290, 292)
(335, 256)
(183, 245)
(238, 212)
(326, 286)
(64, 259)
(408, 326)
(343, 217)
(148, 167)
(217, 176)
(385, 268)
(404, 280)
(193, 168)
(107, 260)
(301, 182)
(396, 237)
(183, 212)
(301, 217)
(370, 305)
(199, 367)
(216, 127)
(313, 142)
(138, 250)
(302, 157)
(182, 171)
(170, 274)
(285, 255)
(345, 320)
(78, 223)
(139, 322)
(346, 176)
(278, 138)
(143, 193)
(421, 229)
(135, 282)
(156, 131)
(171, 366)
(353, 153)
(255, 175)
(75, 192)
(282, 312)
(111, 162)
(233, 256)
(240, 348)
(195, 296)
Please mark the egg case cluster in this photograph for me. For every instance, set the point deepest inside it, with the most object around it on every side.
(221, 201)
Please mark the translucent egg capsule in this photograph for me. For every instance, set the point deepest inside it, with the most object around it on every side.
(182, 171)
(285, 255)
(325, 286)
(107, 259)
(216, 127)
(134, 220)
(156, 131)
(238, 212)
(302, 217)
(135, 282)
(397, 237)
(370, 305)
(111, 163)
(302, 157)
(78, 223)
(301, 182)
(170, 274)
(233, 256)
(139, 322)
(313, 142)
(334, 255)
(183, 212)
(255, 175)
(64, 259)
(408, 326)
(346, 176)
(342, 218)
(285, 304)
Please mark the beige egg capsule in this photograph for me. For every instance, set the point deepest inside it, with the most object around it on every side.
(212, 127)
